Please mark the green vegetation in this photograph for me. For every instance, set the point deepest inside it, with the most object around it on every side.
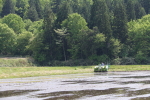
(25, 67)
(16, 62)
(95, 31)
(116, 68)
(18, 72)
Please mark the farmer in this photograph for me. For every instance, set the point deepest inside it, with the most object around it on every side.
(102, 64)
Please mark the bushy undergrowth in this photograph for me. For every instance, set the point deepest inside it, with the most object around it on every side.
(16, 62)
(124, 61)
(79, 62)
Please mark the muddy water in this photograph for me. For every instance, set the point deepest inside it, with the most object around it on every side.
(91, 86)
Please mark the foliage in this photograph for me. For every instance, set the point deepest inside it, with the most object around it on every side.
(139, 36)
(15, 22)
(21, 7)
(23, 40)
(99, 59)
(145, 4)
(63, 12)
(7, 39)
(35, 27)
(76, 62)
(37, 47)
(130, 10)
(139, 10)
(120, 23)
(90, 29)
(124, 61)
(49, 36)
(8, 7)
(32, 14)
(16, 62)
(74, 24)
(100, 17)
(27, 23)
(1, 5)
(141, 58)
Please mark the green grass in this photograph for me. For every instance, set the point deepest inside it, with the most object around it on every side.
(12, 67)
(129, 68)
(17, 72)
(15, 62)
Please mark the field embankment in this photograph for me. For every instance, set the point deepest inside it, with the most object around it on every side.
(17, 72)
(16, 62)
(24, 67)
(129, 68)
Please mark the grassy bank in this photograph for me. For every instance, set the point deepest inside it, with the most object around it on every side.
(12, 67)
(129, 68)
(16, 62)
(16, 72)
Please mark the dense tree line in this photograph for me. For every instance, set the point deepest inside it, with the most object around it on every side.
(79, 32)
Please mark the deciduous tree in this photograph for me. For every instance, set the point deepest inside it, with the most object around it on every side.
(7, 39)
(74, 24)
(15, 22)
(139, 36)
(23, 40)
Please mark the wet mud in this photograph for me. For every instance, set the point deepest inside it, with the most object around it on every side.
(15, 92)
(89, 86)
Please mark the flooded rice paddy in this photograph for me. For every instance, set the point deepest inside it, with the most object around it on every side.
(89, 86)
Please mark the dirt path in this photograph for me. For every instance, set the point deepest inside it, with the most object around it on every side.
(91, 86)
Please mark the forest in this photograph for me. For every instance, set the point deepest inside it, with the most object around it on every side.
(76, 32)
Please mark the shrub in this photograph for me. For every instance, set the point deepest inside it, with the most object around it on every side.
(124, 61)
(15, 62)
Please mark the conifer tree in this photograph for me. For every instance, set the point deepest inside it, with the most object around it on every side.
(1, 5)
(39, 8)
(139, 10)
(8, 7)
(21, 7)
(35, 11)
(146, 5)
(86, 10)
(130, 10)
(50, 37)
(32, 14)
(100, 17)
(55, 5)
(120, 23)
(63, 12)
